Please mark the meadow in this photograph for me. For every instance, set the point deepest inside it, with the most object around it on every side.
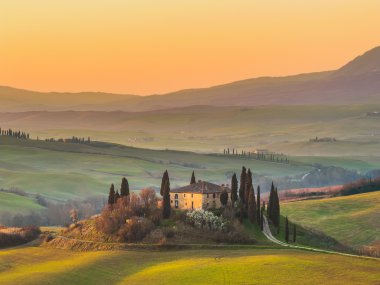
(36, 265)
(351, 220)
(63, 171)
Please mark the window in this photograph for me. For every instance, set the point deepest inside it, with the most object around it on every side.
(191, 195)
(176, 203)
(184, 195)
(192, 205)
(176, 196)
(171, 201)
(207, 195)
(213, 195)
(207, 204)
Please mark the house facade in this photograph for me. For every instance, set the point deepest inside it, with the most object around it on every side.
(200, 195)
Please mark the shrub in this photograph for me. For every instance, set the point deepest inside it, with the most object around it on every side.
(206, 220)
(168, 233)
(135, 229)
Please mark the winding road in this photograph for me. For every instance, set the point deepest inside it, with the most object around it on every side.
(267, 232)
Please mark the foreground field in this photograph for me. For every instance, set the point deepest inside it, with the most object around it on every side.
(36, 265)
(351, 220)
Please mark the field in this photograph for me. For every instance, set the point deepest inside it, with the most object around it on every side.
(351, 220)
(68, 171)
(208, 129)
(34, 265)
(18, 204)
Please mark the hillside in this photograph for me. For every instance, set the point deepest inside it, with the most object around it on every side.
(357, 82)
(284, 129)
(35, 265)
(69, 170)
(351, 220)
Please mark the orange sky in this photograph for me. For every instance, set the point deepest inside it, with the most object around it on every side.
(145, 47)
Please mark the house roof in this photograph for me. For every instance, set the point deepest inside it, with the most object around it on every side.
(202, 187)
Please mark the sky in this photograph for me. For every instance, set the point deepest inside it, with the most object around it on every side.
(147, 47)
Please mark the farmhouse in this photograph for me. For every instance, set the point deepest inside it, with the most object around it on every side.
(201, 195)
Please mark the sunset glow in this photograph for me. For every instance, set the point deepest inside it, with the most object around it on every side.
(146, 47)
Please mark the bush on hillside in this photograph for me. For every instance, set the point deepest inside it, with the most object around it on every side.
(206, 220)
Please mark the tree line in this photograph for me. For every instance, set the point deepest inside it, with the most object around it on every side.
(16, 134)
(272, 157)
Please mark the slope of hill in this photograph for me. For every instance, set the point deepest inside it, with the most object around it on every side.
(284, 129)
(351, 220)
(357, 82)
(71, 171)
(33, 265)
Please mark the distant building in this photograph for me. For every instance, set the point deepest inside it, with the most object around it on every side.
(201, 195)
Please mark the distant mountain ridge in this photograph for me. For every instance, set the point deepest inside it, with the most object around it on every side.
(357, 82)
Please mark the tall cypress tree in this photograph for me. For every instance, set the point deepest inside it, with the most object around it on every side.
(111, 195)
(286, 230)
(124, 188)
(192, 181)
(258, 203)
(234, 189)
(252, 211)
(262, 218)
(166, 209)
(165, 177)
(277, 211)
(248, 186)
(294, 233)
(243, 177)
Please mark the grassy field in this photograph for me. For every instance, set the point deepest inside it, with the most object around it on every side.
(351, 220)
(34, 265)
(69, 171)
(285, 129)
(18, 204)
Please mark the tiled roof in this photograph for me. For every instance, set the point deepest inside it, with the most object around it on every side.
(201, 187)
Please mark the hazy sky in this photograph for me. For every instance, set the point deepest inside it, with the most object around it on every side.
(156, 46)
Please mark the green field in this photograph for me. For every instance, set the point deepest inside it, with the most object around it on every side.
(351, 220)
(68, 171)
(34, 265)
(13, 203)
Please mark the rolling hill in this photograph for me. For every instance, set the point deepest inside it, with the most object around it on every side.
(284, 129)
(357, 82)
(351, 220)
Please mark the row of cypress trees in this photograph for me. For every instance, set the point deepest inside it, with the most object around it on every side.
(15, 134)
(249, 203)
(124, 192)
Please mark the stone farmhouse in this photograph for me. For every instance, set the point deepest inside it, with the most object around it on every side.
(200, 195)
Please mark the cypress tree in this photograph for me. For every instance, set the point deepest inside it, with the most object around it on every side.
(258, 203)
(252, 211)
(247, 190)
(224, 198)
(165, 177)
(294, 233)
(277, 211)
(234, 189)
(192, 181)
(111, 195)
(286, 230)
(262, 219)
(166, 198)
(243, 177)
(124, 188)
